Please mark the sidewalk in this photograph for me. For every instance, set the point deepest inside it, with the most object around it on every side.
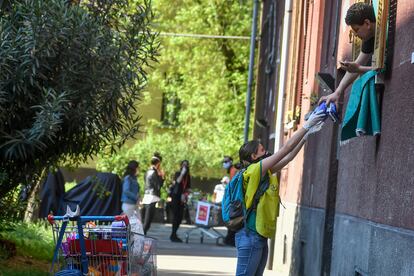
(194, 258)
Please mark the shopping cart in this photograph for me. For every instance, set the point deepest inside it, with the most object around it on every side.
(102, 246)
(205, 216)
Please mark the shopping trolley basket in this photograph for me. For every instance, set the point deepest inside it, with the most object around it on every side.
(102, 245)
(205, 217)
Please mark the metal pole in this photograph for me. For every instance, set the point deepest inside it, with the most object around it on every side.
(287, 21)
(287, 25)
(251, 68)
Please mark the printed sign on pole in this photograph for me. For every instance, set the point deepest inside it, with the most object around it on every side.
(203, 213)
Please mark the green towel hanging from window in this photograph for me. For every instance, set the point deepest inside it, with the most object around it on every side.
(362, 112)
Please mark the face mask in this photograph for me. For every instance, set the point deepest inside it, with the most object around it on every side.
(267, 154)
(226, 165)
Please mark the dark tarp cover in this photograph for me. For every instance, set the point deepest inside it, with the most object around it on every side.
(51, 194)
(98, 195)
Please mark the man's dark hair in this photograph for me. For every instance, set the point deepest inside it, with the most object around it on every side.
(358, 12)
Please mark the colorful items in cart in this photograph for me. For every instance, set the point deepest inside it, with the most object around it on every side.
(113, 268)
(118, 229)
(93, 271)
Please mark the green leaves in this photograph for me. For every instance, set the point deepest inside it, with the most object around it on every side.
(70, 77)
(203, 84)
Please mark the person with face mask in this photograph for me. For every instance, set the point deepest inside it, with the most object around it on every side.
(259, 174)
(179, 194)
(219, 190)
(229, 167)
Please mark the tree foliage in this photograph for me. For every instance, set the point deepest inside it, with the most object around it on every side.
(71, 73)
(203, 82)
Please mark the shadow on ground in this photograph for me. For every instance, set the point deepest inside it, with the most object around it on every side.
(209, 247)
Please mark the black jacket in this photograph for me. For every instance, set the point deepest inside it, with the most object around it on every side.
(177, 189)
(153, 182)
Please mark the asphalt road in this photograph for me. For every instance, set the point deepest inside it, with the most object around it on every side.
(193, 258)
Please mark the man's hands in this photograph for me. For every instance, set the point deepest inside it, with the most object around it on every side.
(334, 97)
(351, 67)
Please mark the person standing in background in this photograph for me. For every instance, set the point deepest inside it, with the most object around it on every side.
(154, 179)
(229, 167)
(219, 190)
(180, 190)
(218, 195)
(130, 188)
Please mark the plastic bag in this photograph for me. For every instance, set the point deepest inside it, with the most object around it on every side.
(136, 224)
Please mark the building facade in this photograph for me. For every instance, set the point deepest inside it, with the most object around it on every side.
(347, 206)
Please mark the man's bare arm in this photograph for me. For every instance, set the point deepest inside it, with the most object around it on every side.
(349, 77)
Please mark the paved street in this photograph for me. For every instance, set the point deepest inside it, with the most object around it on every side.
(193, 258)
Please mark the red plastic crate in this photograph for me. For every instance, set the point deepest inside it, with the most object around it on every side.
(95, 247)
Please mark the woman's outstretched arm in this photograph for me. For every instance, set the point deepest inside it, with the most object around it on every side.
(289, 157)
(274, 159)
(290, 145)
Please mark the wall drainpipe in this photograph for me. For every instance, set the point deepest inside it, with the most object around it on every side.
(251, 70)
(284, 63)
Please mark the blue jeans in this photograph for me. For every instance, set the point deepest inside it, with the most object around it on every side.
(252, 253)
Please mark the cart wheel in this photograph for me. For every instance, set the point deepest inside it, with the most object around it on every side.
(186, 238)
